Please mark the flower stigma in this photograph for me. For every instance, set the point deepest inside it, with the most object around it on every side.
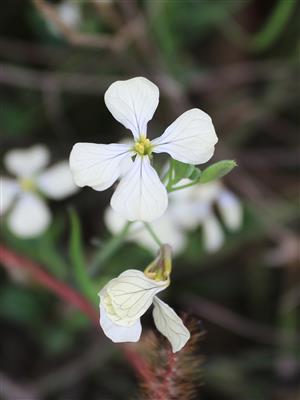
(143, 146)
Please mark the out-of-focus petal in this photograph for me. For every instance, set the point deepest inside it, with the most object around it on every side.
(140, 195)
(8, 191)
(98, 165)
(133, 103)
(230, 209)
(57, 181)
(132, 292)
(27, 162)
(213, 236)
(166, 226)
(117, 333)
(170, 325)
(29, 217)
(191, 138)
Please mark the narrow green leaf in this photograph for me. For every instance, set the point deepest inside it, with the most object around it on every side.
(77, 258)
(217, 171)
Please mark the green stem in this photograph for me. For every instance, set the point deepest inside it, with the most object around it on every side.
(269, 33)
(109, 249)
(152, 233)
(173, 189)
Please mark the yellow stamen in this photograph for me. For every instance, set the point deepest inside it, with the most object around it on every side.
(143, 146)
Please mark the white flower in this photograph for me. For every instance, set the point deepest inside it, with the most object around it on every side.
(140, 194)
(193, 206)
(21, 198)
(126, 298)
(165, 226)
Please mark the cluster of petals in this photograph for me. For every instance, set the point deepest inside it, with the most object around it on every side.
(188, 208)
(126, 298)
(140, 195)
(22, 197)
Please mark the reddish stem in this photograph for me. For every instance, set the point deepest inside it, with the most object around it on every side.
(11, 260)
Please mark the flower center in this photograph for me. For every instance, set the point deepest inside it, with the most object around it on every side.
(27, 184)
(143, 146)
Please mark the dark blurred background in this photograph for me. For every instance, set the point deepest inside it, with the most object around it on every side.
(238, 60)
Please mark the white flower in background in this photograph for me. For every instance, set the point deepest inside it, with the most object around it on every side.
(22, 198)
(165, 226)
(140, 194)
(69, 13)
(193, 206)
(126, 298)
(188, 209)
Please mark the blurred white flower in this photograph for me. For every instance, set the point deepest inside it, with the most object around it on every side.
(69, 13)
(126, 298)
(165, 227)
(188, 209)
(22, 198)
(193, 206)
(140, 194)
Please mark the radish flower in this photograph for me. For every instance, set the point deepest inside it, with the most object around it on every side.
(140, 195)
(22, 198)
(126, 298)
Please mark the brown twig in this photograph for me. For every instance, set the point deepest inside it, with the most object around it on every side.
(13, 261)
(233, 322)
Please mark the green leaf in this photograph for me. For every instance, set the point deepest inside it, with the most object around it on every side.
(78, 260)
(217, 170)
(181, 171)
(195, 174)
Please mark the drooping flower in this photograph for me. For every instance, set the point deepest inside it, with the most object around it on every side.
(126, 298)
(140, 195)
(22, 197)
(188, 209)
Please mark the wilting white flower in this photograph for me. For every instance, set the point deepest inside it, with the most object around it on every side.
(140, 194)
(126, 298)
(22, 198)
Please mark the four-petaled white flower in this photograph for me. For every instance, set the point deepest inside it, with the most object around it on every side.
(22, 198)
(126, 298)
(140, 194)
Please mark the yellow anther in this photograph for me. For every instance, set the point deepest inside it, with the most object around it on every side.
(27, 184)
(143, 146)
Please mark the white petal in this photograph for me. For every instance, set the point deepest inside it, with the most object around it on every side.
(140, 195)
(30, 217)
(213, 236)
(133, 103)
(8, 191)
(97, 165)
(132, 293)
(230, 210)
(117, 333)
(26, 163)
(57, 181)
(170, 325)
(190, 138)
